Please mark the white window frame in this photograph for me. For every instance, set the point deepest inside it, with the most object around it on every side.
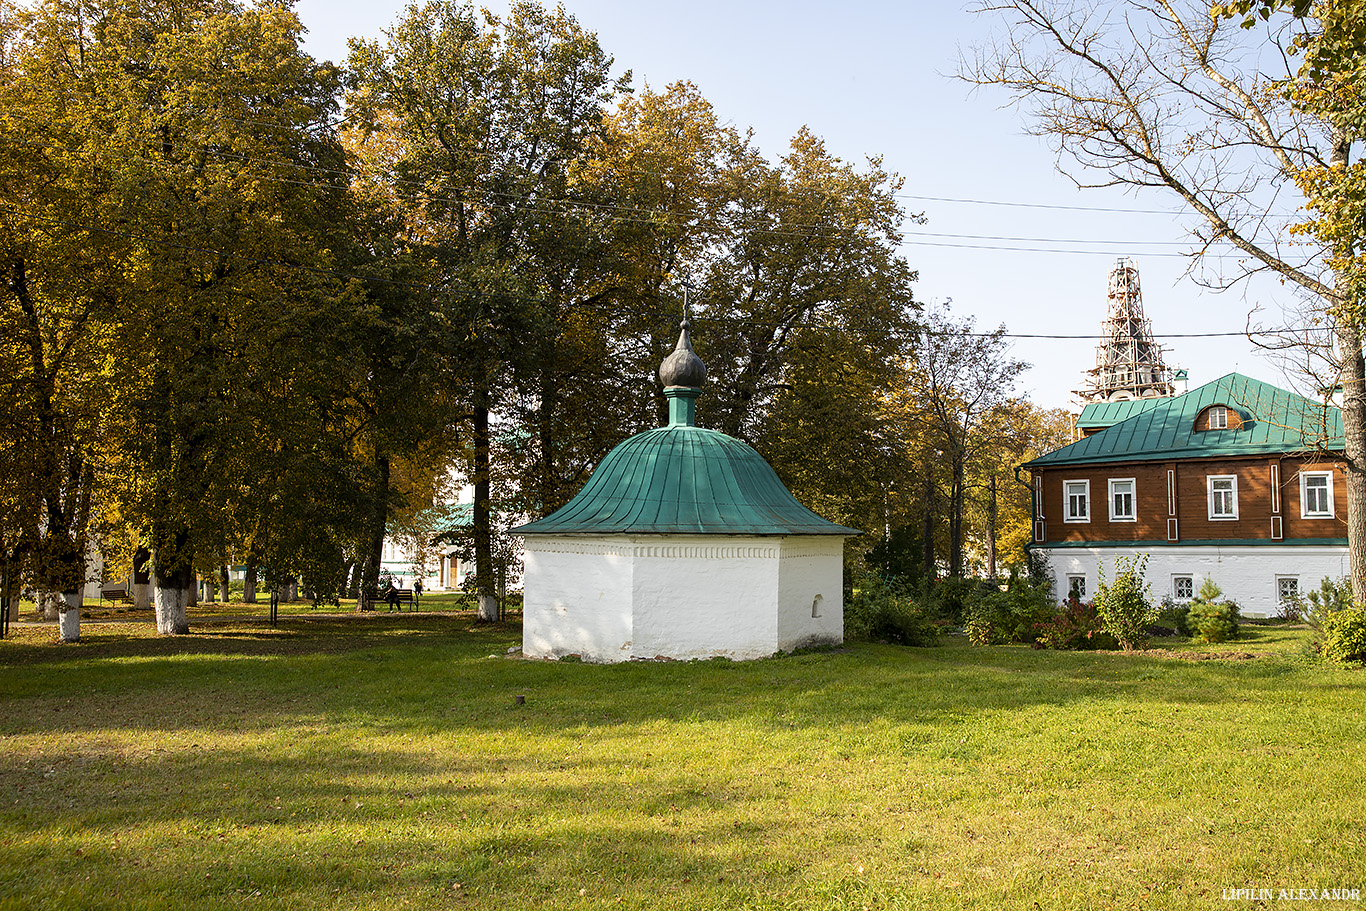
(1074, 581)
(1209, 497)
(1176, 595)
(1067, 500)
(1221, 411)
(1115, 516)
(1305, 513)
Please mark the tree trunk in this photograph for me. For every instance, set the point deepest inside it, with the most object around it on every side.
(47, 604)
(69, 615)
(142, 579)
(927, 526)
(483, 520)
(291, 590)
(174, 580)
(173, 591)
(1353, 372)
(374, 547)
(225, 581)
(956, 516)
(991, 529)
(249, 580)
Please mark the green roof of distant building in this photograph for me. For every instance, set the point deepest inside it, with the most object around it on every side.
(1103, 414)
(1274, 420)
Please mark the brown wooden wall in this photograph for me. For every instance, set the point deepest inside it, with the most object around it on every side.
(1256, 503)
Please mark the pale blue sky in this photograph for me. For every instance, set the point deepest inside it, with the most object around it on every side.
(872, 78)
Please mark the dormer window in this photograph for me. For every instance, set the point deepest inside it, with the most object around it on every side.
(1218, 418)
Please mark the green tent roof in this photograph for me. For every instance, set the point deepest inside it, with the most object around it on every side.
(1274, 420)
(683, 479)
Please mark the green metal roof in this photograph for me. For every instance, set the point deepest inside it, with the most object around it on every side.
(1274, 420)
(683, 479)
(1104, 414)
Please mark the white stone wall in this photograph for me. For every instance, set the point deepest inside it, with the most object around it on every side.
(577, 598)
(1248, 574)
(812, 568)
(612, 598)
(702, 596)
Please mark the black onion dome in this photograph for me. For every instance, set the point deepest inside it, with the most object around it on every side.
(683, 367)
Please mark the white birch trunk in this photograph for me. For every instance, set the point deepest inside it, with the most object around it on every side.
(171, 605)
(47, 604)
(69, 615)
(488, 608)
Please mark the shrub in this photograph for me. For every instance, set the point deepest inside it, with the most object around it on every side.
(1174, 615)
(882, 610)
(1124, 607)
(993, 616)
(1344, 635)
(1331, 596)
(1211, 617)
(1076, 625)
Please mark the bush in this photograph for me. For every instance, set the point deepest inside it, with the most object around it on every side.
(1211, 617)
(880, 610)
(1124, 607)
(1174, 615)
(1331, 596)
(993, 616)
(1076, 625)
(1344, 635)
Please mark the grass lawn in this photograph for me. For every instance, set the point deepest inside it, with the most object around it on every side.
(382, 761)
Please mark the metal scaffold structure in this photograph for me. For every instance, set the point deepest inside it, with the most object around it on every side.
(1128, 362)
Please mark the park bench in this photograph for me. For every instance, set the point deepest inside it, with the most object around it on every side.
(116, 595)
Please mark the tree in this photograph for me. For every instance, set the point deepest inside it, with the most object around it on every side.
(489, 118)
(959, 380)
(1166, 96)
(809, 242)
(206, 128)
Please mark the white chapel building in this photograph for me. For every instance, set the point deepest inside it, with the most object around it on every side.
(683, 544)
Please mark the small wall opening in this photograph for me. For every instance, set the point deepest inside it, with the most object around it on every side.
(816, 606)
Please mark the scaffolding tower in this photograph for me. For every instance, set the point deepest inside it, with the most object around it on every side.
(1128, 362)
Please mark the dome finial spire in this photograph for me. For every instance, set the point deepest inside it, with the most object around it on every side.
(682, 373)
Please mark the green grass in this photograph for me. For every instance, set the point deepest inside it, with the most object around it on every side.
(381, 761)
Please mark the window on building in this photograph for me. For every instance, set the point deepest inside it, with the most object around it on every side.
(1223, 496)
(1287, 589)
(1183, 588)
(1218, 418)
(1122, 500)
(1078, 497)
(1316, 494)
(1076, 587)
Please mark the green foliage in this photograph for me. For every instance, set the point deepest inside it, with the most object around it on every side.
(1344, 635)
(1125, 607)
(880, 610)
(993, 617)
(1209, 617)
(1331, 595)
(1174, 615)
(1076, 625)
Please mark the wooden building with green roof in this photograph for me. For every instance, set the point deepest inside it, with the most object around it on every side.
(1237, 480)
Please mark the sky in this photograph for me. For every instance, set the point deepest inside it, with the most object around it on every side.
(1007, 240)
